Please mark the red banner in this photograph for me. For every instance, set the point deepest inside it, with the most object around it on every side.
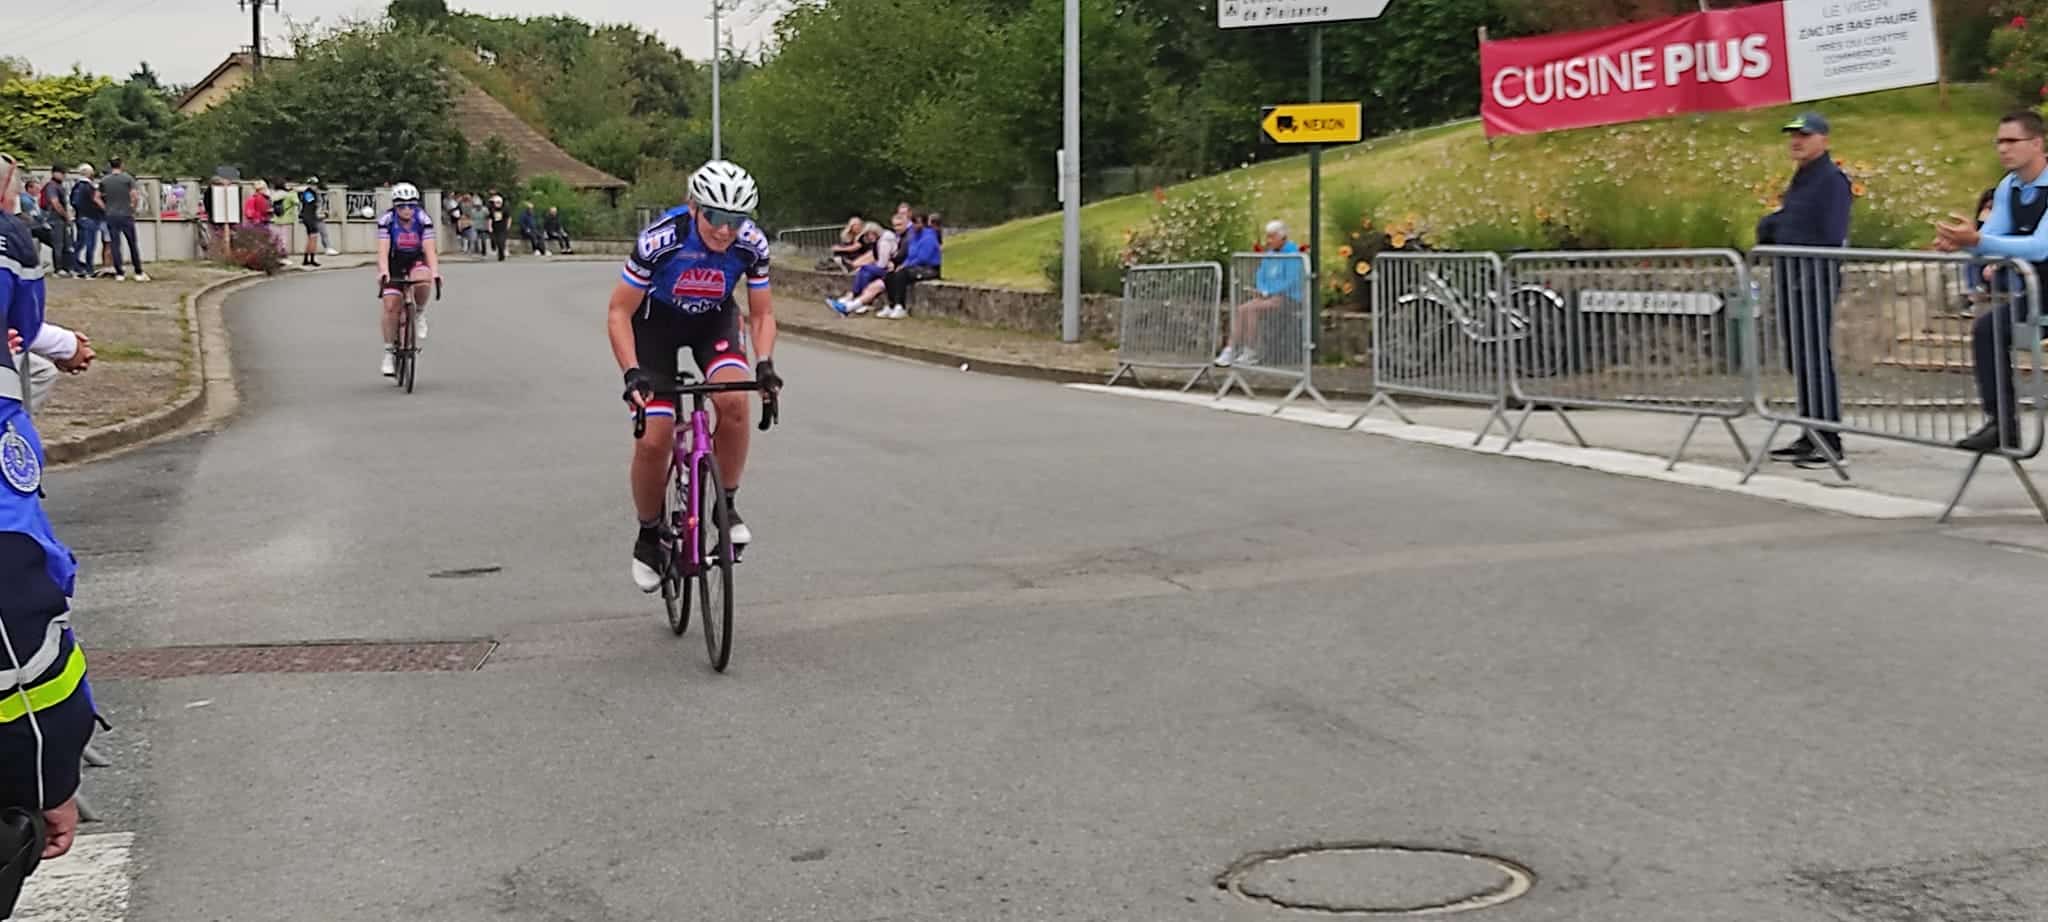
(1702, 62)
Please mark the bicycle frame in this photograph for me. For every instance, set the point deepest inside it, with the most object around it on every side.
(687, 454)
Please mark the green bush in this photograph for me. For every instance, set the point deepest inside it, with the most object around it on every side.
(1102, 272)
(2019, 52)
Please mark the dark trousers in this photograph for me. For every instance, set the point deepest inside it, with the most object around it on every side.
(118, 229)
(498, 235)
(898, 283)
(60, 244)
(1806, 289)
(1991, 342)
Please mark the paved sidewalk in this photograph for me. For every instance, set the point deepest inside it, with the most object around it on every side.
(1995, 499)
(139, 331)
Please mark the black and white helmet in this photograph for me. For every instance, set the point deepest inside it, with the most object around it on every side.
(721, 184)
(405, 193)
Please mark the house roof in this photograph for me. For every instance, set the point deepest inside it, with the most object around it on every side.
(239, 59)
(483, 117)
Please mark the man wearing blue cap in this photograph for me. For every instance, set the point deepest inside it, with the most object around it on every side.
(1815, 213)
(46, 713)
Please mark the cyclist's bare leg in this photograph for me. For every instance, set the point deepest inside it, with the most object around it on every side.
(734, 426)
(649, 475)
(391, 304)
(422, 292)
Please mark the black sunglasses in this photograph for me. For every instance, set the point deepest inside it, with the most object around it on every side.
(719, 217)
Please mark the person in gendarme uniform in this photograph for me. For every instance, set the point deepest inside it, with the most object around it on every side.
(46, 712)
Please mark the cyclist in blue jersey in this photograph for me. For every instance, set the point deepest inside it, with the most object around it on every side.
(405, 253)
(46, 712)
(677, 291)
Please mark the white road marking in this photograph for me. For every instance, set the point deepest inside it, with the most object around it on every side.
(1854, 501)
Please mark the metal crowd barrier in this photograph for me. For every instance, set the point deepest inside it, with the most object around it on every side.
(1438, 333)
(1269, 323)
(810, 241)
(1659, 331)
(1885, 344)
(1169, 319)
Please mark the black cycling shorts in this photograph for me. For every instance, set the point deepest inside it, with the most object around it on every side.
(660, 331)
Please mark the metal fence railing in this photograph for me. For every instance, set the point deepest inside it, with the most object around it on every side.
(810, 241)
(1652, 330)
(1169, 318)
(1911, 347)
(1437, 333)
(1268, 324)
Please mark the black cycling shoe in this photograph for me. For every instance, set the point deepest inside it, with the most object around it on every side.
(647, 560)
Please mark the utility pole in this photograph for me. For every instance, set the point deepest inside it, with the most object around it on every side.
(255, 8)
(1070, 182)
(717, 64)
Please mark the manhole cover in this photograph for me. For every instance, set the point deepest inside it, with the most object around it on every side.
(178, 662)
(1377, 881)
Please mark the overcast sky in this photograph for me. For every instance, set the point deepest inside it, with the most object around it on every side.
(184, 39)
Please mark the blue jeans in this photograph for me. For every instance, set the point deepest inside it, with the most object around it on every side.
(88, 245)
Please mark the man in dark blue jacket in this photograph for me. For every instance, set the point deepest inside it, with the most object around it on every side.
(1815, 213)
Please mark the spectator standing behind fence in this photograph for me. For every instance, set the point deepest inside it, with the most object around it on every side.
(312, 220)
(1278, 284)
(85, 203)
(2017, 229)
(56, 201)
(121, 196)
(1814, 213)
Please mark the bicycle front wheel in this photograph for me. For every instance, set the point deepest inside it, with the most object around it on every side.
(714, 578)
(410, 353)
(675, 590)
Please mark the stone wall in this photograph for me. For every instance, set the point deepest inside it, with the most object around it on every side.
(1005, 308)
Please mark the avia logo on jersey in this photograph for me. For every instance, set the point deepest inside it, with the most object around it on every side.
(408, 240)
(699, 284)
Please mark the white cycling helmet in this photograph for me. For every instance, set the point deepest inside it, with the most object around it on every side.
(721, 184)
(405, 194)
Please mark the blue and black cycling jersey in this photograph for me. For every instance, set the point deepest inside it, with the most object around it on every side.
(678, 272)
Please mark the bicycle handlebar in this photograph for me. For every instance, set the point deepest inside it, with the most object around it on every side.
(771, 398)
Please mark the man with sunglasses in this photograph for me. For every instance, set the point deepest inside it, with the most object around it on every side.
(405, 254)
(677, 291)
(2015, 230)
(46, 712)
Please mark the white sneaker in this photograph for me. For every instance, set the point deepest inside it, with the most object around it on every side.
(390, 366)
(895, 312)
(142, 276)
(860, 310)
(120, 278)
(333, 252)
(419, 326)
(1226, 357)
(1247, 357)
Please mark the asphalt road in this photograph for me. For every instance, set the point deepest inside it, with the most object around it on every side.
(1011, 651)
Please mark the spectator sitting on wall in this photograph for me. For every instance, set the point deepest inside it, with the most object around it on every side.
(529, 227)
(921, 263)
(556, 233)
(868, 279)
(846, 253)
(1279, 284)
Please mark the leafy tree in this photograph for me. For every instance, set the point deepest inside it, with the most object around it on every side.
(35, 112)
(490, 166)
(417, 13)
(311, 118)
(132, 120)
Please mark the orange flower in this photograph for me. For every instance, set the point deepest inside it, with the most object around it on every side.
(1344, 251)
(1858, 190)
(1363, 268)
(1398, 239)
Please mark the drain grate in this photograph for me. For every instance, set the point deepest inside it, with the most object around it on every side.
(179, 662)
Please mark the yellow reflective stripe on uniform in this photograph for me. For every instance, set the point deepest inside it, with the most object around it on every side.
(49, 694)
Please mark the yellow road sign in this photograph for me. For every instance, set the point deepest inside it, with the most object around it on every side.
(1314, 123)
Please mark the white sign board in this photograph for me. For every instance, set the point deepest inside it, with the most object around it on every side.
(1241, 14)
(1844, 47)
(1687, 303)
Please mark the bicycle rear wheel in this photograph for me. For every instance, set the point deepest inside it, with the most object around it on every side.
(675, 590)
(714, 579)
